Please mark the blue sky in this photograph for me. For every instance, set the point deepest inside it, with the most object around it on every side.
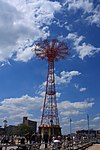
(23, 75)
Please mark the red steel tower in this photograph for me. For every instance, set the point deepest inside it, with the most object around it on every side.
(52, 51)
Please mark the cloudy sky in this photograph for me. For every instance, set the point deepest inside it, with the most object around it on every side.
(23, 75)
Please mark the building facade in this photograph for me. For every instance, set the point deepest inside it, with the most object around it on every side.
(30, 123)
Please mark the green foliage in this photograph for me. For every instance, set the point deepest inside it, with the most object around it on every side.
(23, 129)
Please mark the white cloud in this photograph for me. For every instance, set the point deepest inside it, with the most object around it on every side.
(24, 55)
(78, 128)
(20, 21)
(82, 48)
(75, 105)
(68, 108)
(42, 93)
(82, 89)
(71, 113)
(82, 121)
(86, 50)
(58, 94)
(76, 86)
(94, 18)
(96, 119)
(86, 5)
(15, 108)
(66, 77)
(90, 12)
(77, 39)
(63, 78)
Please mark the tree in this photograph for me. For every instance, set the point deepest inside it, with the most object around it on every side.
(23, 129)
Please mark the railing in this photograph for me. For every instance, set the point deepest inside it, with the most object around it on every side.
(64, 145)
(79, 145)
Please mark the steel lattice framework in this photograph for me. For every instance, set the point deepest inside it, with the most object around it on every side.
(52, 51)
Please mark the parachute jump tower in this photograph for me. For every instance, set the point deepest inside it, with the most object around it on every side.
(51, 51)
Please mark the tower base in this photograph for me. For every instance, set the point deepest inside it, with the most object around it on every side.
(52, 130)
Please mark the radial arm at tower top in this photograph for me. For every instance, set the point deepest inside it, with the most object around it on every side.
(55, 50)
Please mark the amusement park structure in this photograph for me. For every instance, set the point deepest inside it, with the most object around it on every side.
(51, 51)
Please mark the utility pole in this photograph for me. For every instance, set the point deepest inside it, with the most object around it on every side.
(88, 125)
(70, 126)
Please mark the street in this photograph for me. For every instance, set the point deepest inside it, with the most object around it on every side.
(94, 147)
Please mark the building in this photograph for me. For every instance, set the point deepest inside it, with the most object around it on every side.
(87, 133)
(30, 123)
(98, 134)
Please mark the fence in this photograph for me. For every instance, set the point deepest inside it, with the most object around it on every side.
(41, 146)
